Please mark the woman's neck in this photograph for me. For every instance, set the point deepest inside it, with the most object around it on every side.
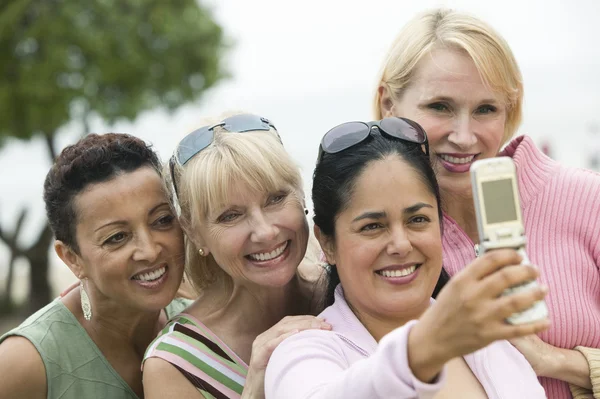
(114, 325)
(381, 325)
(460, 208)
(249, 309)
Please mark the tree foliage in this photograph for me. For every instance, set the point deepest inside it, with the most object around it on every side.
(115, 58)
(68, 59)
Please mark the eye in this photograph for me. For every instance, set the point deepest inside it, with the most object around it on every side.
(228, 217)
(115, 239)
(419, 220)
(371, 227)
(486, 109)
(277, 198)
(164, 221)
(438, 106)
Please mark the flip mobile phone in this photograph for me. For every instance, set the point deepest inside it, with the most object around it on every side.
(499, 222)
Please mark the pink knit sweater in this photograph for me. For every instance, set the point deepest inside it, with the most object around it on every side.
(561, 213)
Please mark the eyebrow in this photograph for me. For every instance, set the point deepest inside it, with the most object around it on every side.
(450, 99)
(380, 215)
(116, 222)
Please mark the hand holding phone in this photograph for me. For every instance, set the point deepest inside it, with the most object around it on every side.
(499, 222)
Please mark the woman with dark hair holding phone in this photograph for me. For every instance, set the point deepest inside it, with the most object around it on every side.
(378, 220)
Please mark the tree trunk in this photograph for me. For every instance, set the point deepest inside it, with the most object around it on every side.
(39, 286)
(6, 304)
(37, 254)
(10, 239)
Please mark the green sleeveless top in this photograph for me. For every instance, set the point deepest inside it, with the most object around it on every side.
(75, 367)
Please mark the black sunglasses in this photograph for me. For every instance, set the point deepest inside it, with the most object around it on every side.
(349, 134)
(201, 138)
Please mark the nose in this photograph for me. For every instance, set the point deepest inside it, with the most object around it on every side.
(147, 248)
(263, 230)
(399, 243)
(463, 136)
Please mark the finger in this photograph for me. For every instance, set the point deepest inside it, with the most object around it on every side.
(509, 331)
(519, 301)
(69, 289)
(301, 324)
(271, 345)
(492, 261)
(261, 354)
(292, 323)
(496, 283)
(289, 320)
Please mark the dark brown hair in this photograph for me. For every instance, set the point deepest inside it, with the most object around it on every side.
(93, 159)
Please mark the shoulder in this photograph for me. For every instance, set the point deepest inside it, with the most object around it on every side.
(182, 341)
(177, 306)
(22, 369)
(162, 343)
(163, 380)
(310, 344)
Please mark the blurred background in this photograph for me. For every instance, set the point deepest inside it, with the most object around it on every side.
(155, 69)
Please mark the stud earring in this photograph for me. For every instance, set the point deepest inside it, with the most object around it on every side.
(201, 252)
(305, 211)
(86, 305)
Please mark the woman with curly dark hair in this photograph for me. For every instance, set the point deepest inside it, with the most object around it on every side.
(115, 230)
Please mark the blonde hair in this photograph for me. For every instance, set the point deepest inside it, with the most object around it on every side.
(255, 159)
(451, 29)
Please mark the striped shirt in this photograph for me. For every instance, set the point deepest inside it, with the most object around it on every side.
(206, 361)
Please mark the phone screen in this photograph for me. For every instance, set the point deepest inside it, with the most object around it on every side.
(499, 201)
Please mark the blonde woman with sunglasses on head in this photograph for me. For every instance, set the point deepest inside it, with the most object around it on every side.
(240, 202)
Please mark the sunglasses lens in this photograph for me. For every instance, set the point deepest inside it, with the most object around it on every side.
(344, 136)
(245, 123)
(193, 143)
(403, 130)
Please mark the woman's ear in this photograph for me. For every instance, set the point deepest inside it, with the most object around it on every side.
(386, 102)
(70, 258)
(200, 244)
(327, 245)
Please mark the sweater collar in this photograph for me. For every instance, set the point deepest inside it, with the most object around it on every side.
(534, 168)
(347, 326)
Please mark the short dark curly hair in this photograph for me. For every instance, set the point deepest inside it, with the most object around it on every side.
(95, 158)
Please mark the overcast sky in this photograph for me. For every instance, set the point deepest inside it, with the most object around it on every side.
(309, 65)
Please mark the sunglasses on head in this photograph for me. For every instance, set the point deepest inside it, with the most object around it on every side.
(201, 138)
(349, 134)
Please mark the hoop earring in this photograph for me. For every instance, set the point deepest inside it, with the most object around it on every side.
(201, 252)
(86, 305)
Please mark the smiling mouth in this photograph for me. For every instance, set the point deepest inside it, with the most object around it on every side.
(264, 256)
(457, 160)
(407, 271)
(151, 276)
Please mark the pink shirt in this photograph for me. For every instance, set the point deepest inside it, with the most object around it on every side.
(561, 214)
(347, 362)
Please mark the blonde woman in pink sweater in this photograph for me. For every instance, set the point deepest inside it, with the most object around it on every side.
(458, 78)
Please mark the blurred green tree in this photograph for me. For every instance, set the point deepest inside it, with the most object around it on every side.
(64, 60)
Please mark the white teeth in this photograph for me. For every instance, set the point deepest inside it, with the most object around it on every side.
(459, 161)
(269, 255)
(398, 273)
(151, 276)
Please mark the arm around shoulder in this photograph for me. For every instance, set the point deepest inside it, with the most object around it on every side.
(162, 380)
(22, 370)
